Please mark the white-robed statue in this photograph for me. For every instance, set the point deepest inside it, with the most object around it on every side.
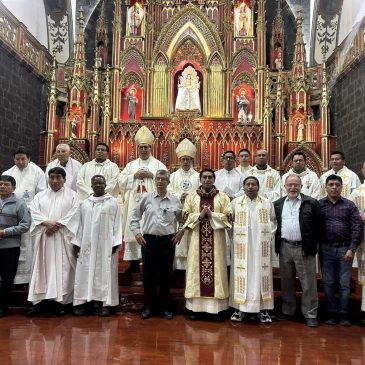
(188, 97)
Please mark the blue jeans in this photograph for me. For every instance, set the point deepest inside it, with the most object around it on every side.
(336, 272)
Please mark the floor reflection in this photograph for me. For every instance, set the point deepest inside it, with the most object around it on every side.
(126, 339)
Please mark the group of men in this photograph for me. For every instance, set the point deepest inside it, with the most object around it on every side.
(202, 222)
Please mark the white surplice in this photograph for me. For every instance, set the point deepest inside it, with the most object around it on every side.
(29, 182)
(54, 261)
(183, 182)
(72, 168)
(108, 169)
(310, 182)
(97, 268)
(251, 283)
(243, 170)
(270, 182)
(350, 181)
(133, 190)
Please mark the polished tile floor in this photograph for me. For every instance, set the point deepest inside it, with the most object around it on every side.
(126, 339)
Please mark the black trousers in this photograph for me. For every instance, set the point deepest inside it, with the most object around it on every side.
(157, 257)
(9, 258)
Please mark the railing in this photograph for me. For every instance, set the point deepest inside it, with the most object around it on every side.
(15, 37)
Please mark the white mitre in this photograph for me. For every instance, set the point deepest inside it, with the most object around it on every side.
(186, 148)
(144, 136)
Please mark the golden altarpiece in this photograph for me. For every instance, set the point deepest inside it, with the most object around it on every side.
(197, 69)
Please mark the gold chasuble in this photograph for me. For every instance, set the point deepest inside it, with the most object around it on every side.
(251, 268)
(206, 271)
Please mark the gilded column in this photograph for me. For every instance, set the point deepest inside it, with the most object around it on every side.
(105, 124)
(325, 137)
(94, 118)
(279, 119)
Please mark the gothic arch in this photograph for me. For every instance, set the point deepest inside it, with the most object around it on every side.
(132, 55)
(244, 78)
(190, 18)
(131, 78)
(245, 54)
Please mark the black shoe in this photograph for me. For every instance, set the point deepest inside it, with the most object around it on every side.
(331, 321)
(284, 317)
(193, 316)
(104, 312)
(312, 322)
(3, 312)
(34, 311)
(168, 315)
(146, 313)
(80, 310)
(344, 321)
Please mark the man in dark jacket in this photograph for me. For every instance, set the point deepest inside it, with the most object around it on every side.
(14, 221)
(297, 237)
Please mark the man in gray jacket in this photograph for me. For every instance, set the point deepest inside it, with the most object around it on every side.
(14, 221)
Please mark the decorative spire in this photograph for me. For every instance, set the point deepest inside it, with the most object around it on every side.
(53, 84)
(277, 39)
(324, 96)
(106, 93)
(101, 27)
(299, 52)
(95, 98)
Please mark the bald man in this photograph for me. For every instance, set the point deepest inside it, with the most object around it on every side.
(64, 160)
(269, 178)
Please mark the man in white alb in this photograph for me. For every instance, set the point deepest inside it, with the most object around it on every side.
(182, 182)
(64, 160)
(350, 180)
(55, 221)
(100, 165)
(310, 180)
(244, 157)
(30, 180)
(99, 237)
(135, 181)
(269, 178)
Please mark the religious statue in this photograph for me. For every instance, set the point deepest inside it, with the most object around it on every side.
(300, 134)
(242, 20)
(242, 107)
(132, 103)
(278, 61)
(188, 97)
(135, 17)
(74, 127)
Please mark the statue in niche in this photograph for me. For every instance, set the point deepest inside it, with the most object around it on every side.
(242, 20)
(300, 133)
(135, 16)
(132, 104)
(74, 123)
(188, 97)
(242, 107)
(278, 61)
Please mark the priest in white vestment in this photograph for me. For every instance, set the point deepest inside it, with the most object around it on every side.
(30, 180)
(251, 283)
(269, 178)
(135, 181)
(55, 221)
(244, 157)
(99, 238)
(350, 180)
(182, 182)
(309, 179)
(207, 213)
(64, 160)
(100, 165)
(358, 197)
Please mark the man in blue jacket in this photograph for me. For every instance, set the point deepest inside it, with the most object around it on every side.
(14, 221)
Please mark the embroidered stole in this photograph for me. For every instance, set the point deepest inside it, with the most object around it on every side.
(240, 245)
(206, 246)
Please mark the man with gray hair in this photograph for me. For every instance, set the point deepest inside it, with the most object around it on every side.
(299, 221)
(64, 160)
(160, 232)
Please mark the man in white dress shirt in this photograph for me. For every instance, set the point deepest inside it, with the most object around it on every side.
(310, 180)
(182, 182)
(64, 160)
(269, 178)
(297, 237)
(244, 158)
(30, 180)
(135, 181)
(350, 180)
(100, 165)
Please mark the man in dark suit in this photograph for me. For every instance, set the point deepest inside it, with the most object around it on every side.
(297, 237)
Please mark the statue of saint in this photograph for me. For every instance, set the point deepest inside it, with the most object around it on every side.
(132, 103)
(188, 97)
(135, 16)
(242, 106)
(74, 127)
(278, 61)
(242, 20)
(300, 134)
